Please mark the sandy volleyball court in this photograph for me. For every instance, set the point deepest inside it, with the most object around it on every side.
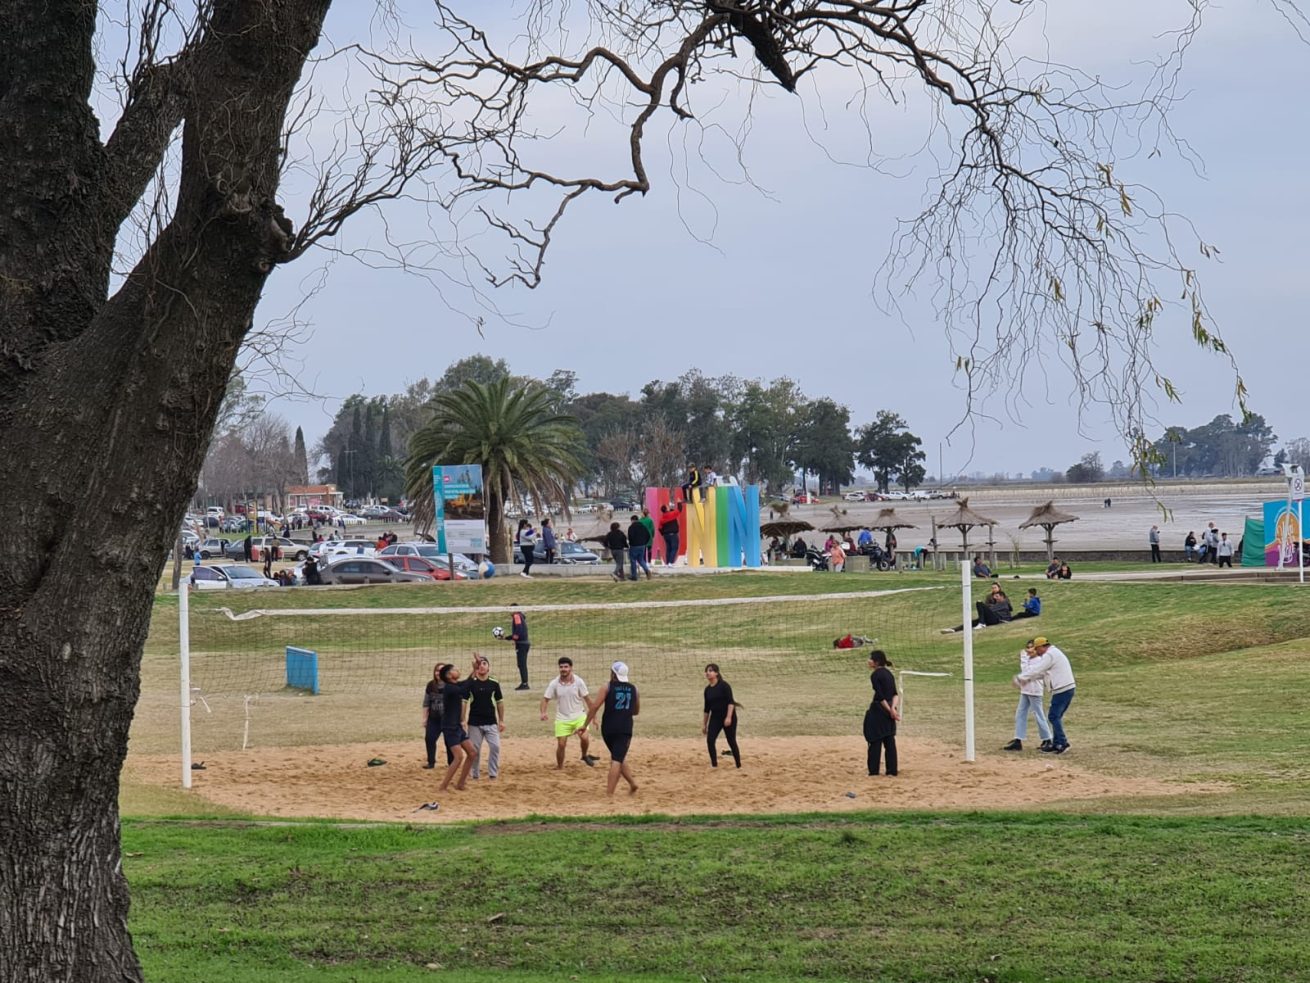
(779, 775)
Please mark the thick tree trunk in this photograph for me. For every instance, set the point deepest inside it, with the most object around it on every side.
(104, 420)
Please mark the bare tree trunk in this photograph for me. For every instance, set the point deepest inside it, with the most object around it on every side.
(138, 378)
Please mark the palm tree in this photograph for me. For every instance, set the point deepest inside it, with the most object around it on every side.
(526, 448)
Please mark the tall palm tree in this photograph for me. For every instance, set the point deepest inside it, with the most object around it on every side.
(527, 449)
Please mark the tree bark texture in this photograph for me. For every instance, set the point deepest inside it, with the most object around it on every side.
(106, 406)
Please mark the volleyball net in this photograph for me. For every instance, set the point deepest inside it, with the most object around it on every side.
(292, 676)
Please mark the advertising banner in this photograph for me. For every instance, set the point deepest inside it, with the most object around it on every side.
(460, 508)
(1282, 532)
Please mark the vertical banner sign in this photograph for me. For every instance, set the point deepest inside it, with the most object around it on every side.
(461, 513)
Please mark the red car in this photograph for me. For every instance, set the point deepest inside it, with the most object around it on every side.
(804, 500)
(417, 564)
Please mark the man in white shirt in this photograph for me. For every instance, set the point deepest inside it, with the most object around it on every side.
(570, 695)
(1052, 665)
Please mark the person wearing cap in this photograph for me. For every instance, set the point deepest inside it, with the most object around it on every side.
(1030, 701)
(1052, 665)
(621, 702)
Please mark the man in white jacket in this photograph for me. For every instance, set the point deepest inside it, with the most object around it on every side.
(1030, 701)
(1053, 665)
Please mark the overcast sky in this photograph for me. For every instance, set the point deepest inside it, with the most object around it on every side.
(716, 275)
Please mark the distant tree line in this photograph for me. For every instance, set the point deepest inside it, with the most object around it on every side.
(762, 432)
(1221, 448)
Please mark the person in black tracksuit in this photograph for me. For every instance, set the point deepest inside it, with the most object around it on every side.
(433, 705)
(518, 634)
(621, 702)
(883, 712)
(720, 715)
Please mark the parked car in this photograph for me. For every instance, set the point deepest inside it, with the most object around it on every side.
(330, 548)
(804, 500)
(234, 523)
(566, 553)
(346, 519)
(436, 569)
(224, 577)
(210, 548)
(289, 548)
(854, 496)
(429, 551)
(365, 570)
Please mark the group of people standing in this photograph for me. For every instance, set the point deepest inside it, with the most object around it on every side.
(1213, 547)
(466, 715)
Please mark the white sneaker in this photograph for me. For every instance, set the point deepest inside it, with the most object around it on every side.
(521, 574)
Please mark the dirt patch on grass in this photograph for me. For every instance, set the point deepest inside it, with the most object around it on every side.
(779, 774)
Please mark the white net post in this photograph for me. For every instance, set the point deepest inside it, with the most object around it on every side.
(184, 647)
(968, 659)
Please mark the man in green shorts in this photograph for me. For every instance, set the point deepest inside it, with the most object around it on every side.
(570, 695)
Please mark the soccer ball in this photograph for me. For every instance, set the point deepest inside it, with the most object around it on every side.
(498, 632)
(486, 569)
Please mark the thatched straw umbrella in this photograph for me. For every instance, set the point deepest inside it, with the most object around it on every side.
(888, 519)
(1048, 517)
(786, 528)
(963, 518)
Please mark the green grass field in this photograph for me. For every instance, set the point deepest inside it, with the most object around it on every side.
(1176, 682)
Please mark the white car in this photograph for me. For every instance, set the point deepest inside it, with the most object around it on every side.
(327, 550)
(853, 496)
(346, 519)
(225, 576)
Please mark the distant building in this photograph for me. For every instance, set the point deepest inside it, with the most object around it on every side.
(303, 496)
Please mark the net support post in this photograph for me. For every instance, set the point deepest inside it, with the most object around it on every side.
(968, 662)
(184, 651)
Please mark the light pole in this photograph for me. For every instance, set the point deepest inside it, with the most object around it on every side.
(1295, 493)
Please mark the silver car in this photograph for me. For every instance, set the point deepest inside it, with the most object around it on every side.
(366, 570)
(227, 576)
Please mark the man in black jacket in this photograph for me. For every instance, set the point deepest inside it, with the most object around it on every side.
(617, 544)
(638, 546)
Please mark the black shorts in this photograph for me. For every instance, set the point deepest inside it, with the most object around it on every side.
(618, 745)
(454, 738)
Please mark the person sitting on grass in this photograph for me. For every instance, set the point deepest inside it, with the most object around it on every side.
(1053, 569)
(1065, 573)
(981, 569)
(994, 609)
(1032, 605)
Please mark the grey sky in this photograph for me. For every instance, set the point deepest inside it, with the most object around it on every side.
(783, 285)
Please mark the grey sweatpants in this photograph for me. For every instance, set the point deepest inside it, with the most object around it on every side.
(491, 734)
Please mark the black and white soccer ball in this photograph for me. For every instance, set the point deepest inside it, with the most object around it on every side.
(498, 632)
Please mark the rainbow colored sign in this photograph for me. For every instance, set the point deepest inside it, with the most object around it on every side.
(719, 527)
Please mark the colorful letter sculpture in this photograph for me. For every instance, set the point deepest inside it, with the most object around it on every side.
(718, 527)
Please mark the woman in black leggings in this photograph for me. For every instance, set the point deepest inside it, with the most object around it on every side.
(720, 715)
